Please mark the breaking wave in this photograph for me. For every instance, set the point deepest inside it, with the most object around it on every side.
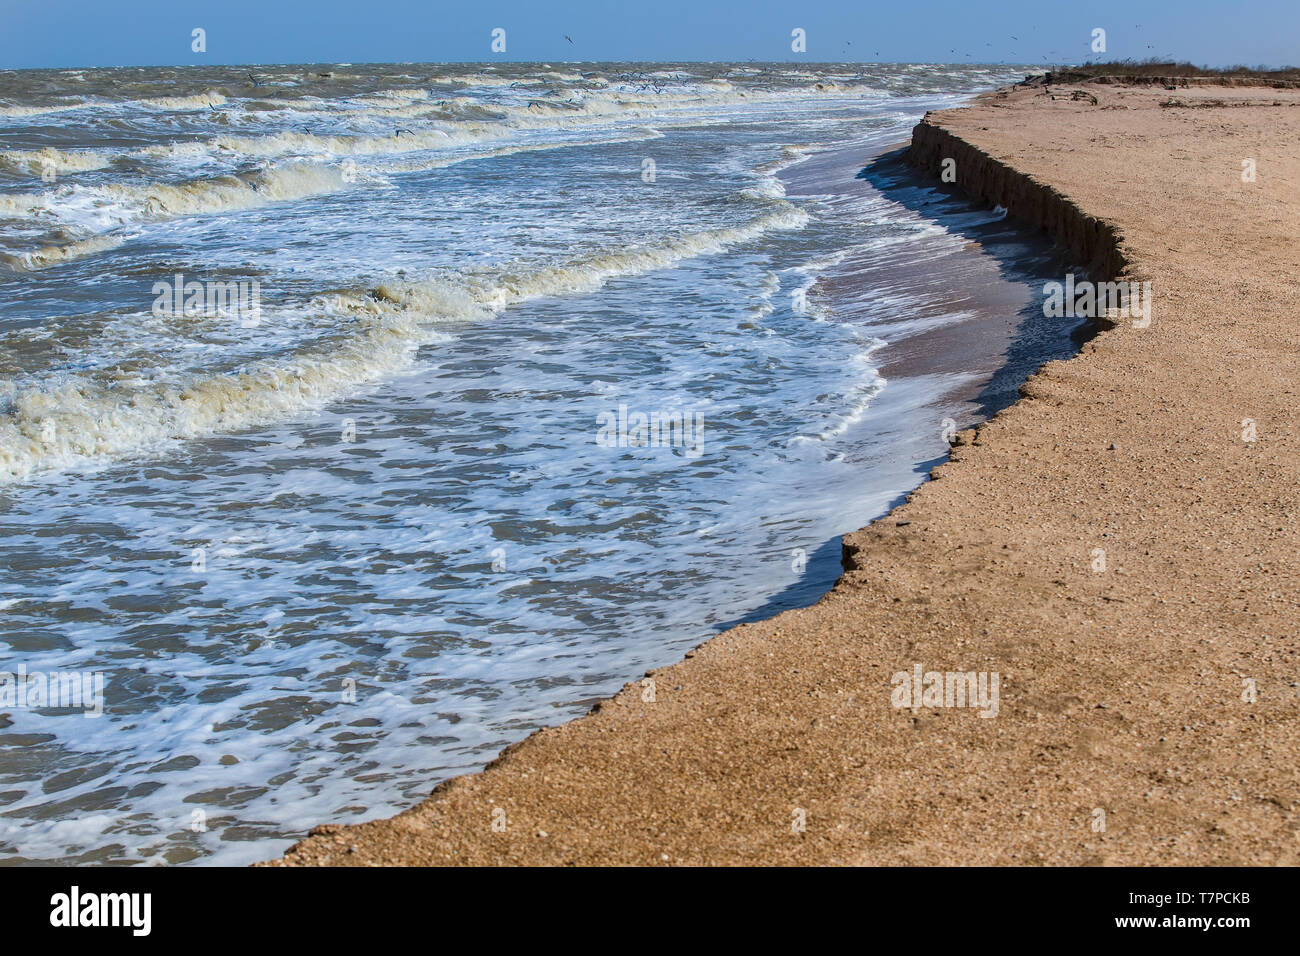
(82, 421)
(121, 204)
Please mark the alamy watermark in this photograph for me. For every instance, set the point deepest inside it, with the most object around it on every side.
(235, 299)
(654, 429)
(1092, 300)
(75, 908)
(922, 688)
(53, 690)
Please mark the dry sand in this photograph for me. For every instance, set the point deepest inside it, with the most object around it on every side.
(1123, 690)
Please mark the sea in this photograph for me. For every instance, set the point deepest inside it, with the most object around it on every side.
(357, 420)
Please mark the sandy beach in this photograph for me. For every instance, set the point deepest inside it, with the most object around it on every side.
(1119, 547)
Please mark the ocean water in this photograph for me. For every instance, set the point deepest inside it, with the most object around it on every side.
(350, 535)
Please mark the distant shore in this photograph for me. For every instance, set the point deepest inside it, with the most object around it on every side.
(1113, 559)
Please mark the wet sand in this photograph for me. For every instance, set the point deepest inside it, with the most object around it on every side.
(1147, 711)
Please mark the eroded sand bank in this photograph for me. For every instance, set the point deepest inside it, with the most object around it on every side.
(1160, 691)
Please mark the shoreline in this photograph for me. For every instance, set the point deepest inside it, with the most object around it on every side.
(1106, 705)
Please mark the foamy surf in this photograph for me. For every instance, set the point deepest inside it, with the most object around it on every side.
(72, 425)
(53, 255)
(198, 101)
(118, 205)
(50, 161)
(395, 475)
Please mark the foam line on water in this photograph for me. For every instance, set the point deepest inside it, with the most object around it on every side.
(77, 423)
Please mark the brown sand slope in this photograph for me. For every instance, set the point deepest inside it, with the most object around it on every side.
(1121, 690)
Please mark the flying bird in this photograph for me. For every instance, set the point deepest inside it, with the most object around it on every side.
(569, 38)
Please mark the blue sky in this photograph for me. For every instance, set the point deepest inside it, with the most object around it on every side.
(76, 33)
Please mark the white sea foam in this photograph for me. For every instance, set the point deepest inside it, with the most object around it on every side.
(73, 423)
(41, 162)
(171, 103)
(372, 559)
(108, 207)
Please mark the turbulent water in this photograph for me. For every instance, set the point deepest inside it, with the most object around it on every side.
(330, 549)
